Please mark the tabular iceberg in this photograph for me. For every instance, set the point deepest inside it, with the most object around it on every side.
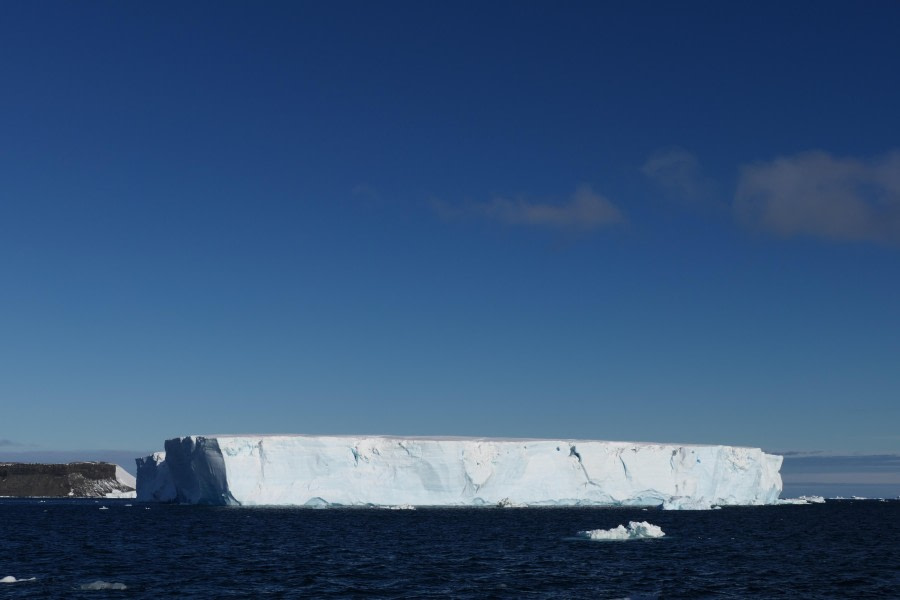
(387, 471)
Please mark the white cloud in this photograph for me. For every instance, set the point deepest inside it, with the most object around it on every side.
(585, 210)
(816, 194)
(678, 171)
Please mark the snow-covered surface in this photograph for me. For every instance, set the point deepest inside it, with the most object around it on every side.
(125, 478)
(127, 485)
(119, 494)
(635, 531)
(306, 470)
(123, 485)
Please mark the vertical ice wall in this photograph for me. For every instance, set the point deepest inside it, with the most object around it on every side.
(154, 481)
(378, 470)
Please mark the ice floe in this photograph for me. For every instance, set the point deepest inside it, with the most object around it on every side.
(11, 579)
(104, 585)
(635, 531)
(121, 494)
(802, 500)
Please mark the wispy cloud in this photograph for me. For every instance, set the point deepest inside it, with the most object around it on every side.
(7, 443)
(678, 172)
(585, 210)
(817, 194)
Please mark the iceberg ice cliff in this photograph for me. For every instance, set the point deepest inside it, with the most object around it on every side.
(388, 471)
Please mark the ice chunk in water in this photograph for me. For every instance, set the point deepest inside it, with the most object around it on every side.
(635, 531)
(104, 585)
(11, 579)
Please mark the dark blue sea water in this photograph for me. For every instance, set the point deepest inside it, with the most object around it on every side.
(845, 549)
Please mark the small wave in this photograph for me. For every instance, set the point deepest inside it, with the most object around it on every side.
(11, 579)
(635, 531)
(104, 585)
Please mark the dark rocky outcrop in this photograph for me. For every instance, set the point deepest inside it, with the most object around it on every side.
(78, 479)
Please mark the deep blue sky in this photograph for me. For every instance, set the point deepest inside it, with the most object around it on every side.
(640, 221)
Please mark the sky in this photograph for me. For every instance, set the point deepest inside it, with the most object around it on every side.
(626, 220)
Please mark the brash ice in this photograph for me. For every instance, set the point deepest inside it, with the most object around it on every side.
(316, 470)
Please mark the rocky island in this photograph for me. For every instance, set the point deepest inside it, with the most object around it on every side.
(73, 480)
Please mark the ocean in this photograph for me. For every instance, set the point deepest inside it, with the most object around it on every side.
(77, 549)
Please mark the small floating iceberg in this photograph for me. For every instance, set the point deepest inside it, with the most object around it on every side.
(104, 585)
(11, 579)
(635, 531)
(802, 500)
